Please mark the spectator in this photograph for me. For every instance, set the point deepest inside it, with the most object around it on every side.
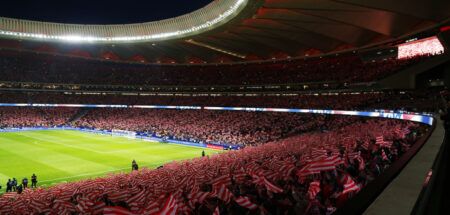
(134, 166)
(25, 183)
(9, 186)
(34, 181)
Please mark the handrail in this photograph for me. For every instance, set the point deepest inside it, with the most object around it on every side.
(435, 189)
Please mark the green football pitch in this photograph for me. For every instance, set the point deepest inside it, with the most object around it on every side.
(57, 156)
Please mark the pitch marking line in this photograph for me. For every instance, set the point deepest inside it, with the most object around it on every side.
(98, 173)
(58, 143)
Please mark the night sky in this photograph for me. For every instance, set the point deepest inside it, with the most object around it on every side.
(98, 11)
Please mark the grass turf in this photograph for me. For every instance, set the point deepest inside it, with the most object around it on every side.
(61, 156)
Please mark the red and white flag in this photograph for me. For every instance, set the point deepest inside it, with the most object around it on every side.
(326, 164)
(365, 145)
(261, 180)
(222, 193)
(151, 209)
(361, 162)
(98, 207)
(318, 153)
(314, 189)
(170, 206)
(116, 210)
(379, 140)
(38, 206)
(349, 185)
(198, 196)
(224, 179)
(271, 187)
(216, 211)
(383, 155)
(246, 203)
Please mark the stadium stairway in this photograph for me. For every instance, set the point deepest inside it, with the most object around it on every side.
(82, 112)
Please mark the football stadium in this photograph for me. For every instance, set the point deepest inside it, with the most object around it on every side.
(262, 107)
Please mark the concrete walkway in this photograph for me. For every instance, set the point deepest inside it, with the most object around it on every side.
(401, 194)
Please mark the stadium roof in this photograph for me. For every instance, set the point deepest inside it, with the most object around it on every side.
(236, 30)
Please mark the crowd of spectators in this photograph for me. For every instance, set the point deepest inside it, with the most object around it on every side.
(203, 126)
(16, 117)
(415, 101)
(31, 67)
(341, 101)
(419, 101)
(312, 173)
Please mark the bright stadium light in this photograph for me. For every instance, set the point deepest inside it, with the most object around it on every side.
(238, 4)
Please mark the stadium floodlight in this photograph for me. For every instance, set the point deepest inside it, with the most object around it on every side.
(231, 11)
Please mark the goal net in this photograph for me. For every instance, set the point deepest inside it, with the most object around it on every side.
(122, 133)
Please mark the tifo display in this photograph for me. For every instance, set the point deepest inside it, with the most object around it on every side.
(255, 178)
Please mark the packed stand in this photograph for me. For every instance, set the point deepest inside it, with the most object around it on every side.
(35, 68)
(428, 100)
(17, 117)
(313, 173)
(307, 101)
(203, 126)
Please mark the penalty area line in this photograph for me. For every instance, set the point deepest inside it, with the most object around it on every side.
(96, 173)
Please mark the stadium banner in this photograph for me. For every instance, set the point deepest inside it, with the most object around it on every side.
(101, 106)
(403, 115)
(28, 129)
(415, 117)
(166, 107)
(425, 118)
(211, 146)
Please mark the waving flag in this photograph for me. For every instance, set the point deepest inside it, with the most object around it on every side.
(383, 155)
(198, 197)
(216, 211)
(84, 205)
(379, 140)
(361, 163)
(118, 195)
(5, 209)
(314, 189)
(326, 164)
(222, 193)
(151, 209)
(246, 203)
(365, 145)
(38, 206)
(98, 207)
(116, 210)
(304, 172)
(401, 132)
(170, 206)
(318, 153)
(271, 187)
(349, 185)
(139, 197)
(224, 179)
(261, 180)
